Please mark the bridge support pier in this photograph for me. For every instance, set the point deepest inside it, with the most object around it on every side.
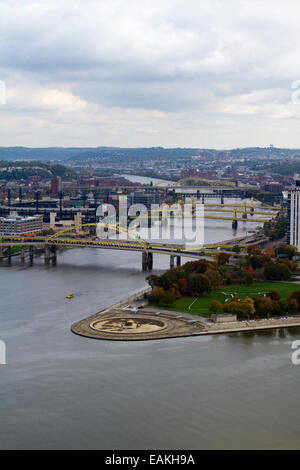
(22, 254)
(234, 220)
(53, 254)
(245, 216)
(172, 261)
(1, 253)
(47, 254)
(31, 254)
(235, 224)
(147, 261)
(150, 261)
(144, 261)
(178, 260)
(252, 206)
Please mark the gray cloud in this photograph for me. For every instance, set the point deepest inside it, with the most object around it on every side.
(113, 66)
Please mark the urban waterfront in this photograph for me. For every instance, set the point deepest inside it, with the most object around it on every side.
(59, 390)
(149, 228)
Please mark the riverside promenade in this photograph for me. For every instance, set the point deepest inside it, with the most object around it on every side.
(133, 319)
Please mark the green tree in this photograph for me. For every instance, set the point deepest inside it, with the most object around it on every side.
(283, 307)
(288, 250)
(276, 271)
(248, 279)
(153, 280)
(199, 284)
(284, 272)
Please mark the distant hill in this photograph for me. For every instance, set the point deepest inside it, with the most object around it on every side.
(75, 154)
(159, 153)
(12, 171)
(89, 153)
(253, 152)
(151, 153)
(41, 154)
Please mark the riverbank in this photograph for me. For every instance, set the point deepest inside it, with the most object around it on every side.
(121, 322)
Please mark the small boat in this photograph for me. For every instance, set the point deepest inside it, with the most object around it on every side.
(70, 296)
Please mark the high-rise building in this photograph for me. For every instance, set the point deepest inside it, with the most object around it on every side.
(293, 228)
(56, 186)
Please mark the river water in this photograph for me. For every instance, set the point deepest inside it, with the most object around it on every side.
(59, 390)
(215, 229)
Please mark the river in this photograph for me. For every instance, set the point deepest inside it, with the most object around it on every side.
(216, 230)
(59, 390)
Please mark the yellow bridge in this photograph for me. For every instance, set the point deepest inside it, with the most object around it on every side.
(137, 244)
(177, 210)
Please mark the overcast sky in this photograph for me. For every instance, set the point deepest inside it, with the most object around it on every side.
(194, 73)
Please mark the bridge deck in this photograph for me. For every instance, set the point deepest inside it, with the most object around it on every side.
(159, 248)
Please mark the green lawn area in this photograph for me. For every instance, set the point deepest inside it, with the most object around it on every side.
(200, 306)
(15, 249)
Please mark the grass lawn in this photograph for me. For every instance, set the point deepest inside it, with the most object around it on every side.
(200, 306)
(15, 249)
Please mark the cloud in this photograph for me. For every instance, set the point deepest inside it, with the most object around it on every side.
(149, 72)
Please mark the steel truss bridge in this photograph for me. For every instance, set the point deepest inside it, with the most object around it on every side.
(175, 251)
(60, 239)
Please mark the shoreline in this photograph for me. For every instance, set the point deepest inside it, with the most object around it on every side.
(178, 324)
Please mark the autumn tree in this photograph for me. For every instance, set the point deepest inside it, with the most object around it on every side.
(183, 286)
(215, 306)
(263, 306)
(157, 294)
(223, 258)
(247, 307)
(273, 295)
(215, 278)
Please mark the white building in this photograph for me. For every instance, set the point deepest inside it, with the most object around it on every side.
(64, 224)
(293, 228)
